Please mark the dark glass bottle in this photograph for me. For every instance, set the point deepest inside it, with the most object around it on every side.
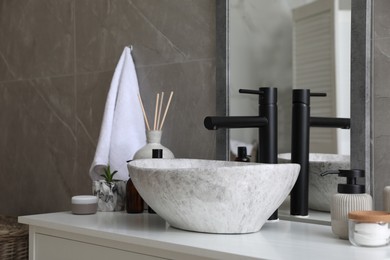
(134, 202)
(242, 155)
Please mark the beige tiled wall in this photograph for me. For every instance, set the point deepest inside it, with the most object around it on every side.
(56, 63)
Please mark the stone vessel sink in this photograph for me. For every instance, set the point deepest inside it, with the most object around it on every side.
(213, 196)
(321, 188)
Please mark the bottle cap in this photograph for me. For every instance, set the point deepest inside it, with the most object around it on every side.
(241, 152)
(157, 153)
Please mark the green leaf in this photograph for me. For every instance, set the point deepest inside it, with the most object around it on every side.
(108, 176)
(112, 175)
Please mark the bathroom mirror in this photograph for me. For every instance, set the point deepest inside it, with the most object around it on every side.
(226, 69)
(260, 52)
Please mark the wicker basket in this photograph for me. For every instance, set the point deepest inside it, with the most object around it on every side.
(13, 239)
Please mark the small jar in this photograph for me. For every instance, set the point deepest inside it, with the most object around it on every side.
(84, 204)
(369, 228)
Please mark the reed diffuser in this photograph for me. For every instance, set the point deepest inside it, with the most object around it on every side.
(153, 136)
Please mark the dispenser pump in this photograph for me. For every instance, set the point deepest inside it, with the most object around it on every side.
(351, 187)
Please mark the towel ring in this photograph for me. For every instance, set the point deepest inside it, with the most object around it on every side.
(131, 47)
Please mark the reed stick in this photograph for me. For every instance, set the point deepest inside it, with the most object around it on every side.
(166, 110)
(155, 112)
(159, 110)
(143, 111)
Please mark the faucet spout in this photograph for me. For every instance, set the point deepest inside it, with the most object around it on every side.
(266, 122)
(216, 122)
(300, 137)
(343, 123)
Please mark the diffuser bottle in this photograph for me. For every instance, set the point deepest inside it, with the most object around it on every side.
(350, 197)
(153, 139)
(153, 135)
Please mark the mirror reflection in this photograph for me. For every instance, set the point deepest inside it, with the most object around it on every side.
(293, 44)
(288, 44)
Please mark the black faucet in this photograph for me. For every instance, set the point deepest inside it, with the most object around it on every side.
(266, 122)
(301, 123)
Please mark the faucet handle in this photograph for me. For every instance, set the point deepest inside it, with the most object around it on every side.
(250, 91)
(318, 94)
(303, 96)
(266, 95)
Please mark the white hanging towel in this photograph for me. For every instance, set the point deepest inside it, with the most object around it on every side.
(123, 130)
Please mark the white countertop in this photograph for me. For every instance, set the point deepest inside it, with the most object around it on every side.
(278, 240)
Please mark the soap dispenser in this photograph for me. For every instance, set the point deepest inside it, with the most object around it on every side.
(350, 197)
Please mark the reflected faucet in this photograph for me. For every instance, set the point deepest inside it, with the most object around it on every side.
(266, 122)
(301, 123)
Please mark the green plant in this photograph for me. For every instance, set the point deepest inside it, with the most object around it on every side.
(108, 175)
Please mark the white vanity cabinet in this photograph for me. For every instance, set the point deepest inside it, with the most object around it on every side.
(62, 247)
(118, 235)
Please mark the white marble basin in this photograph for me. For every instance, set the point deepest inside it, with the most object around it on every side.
(321, 188)
(213, 196)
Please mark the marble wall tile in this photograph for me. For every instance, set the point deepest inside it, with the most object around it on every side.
(162, 49)
(381, 65)
(105, 27)
(37, 145)
(200, 22)
(381, 144)
(91, 92)
(193, 100)
(381, 168)
(36, 39)
(381, 117)
(381, 99)
(57, 59)
(381, 18)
